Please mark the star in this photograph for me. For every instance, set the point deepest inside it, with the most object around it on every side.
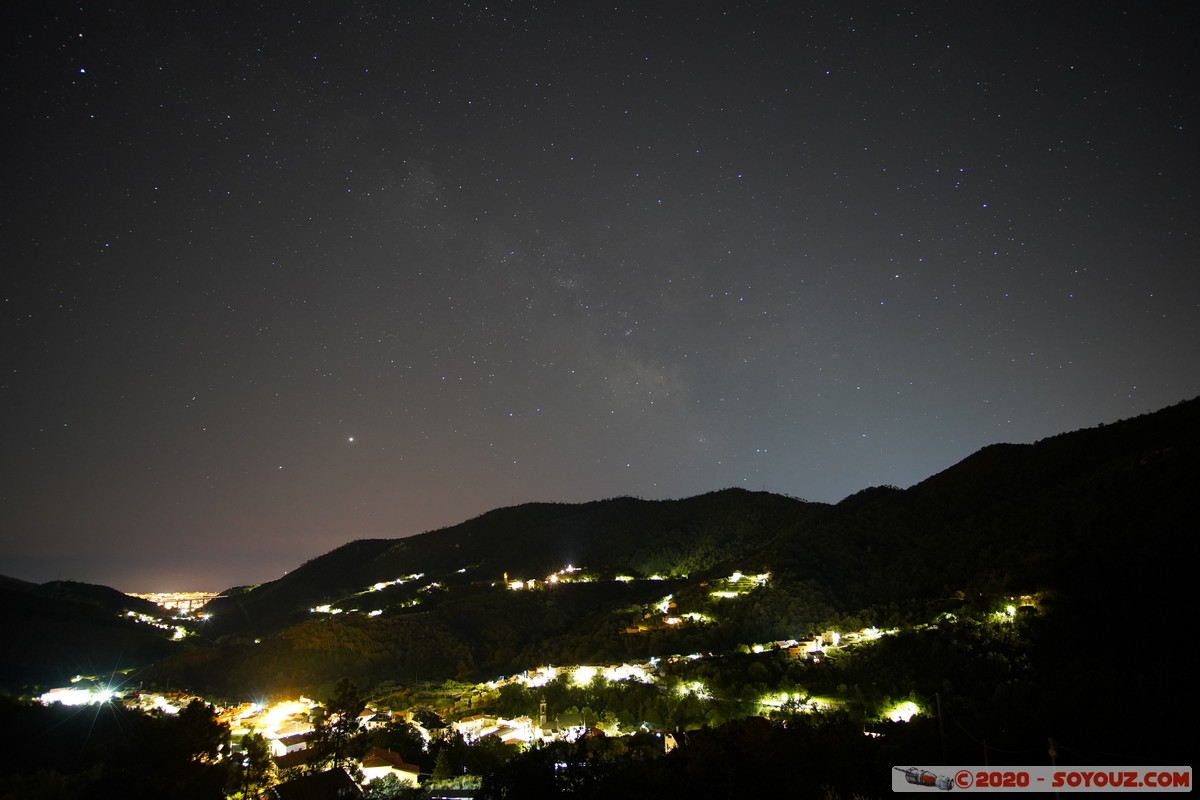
(478, 269)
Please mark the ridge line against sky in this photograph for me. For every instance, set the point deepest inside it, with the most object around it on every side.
(280, 279)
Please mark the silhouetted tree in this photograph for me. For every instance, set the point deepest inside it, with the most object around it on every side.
(251, 771)
(389, 787)
(338, 739)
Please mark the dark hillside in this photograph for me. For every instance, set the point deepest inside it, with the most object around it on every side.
(286, 599)
(1088, 519)
(643, 537)
(1096, 523)
(104, 599)
(1112, 502)
(58, 630)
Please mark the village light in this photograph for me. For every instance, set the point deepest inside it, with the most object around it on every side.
(76, 697)
(1007, 615)
(903, 712)
(774, 700)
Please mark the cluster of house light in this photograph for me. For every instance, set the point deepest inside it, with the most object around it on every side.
(568, 574)
(581, 675)
(177, 631)
(328, 608)
(272, 720)
(741, 584)
(416, 576)
(77, 696)
(90, 691)
(736, 585)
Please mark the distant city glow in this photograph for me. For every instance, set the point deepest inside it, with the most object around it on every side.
(186, 602)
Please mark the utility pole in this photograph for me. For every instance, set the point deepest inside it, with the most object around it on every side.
(941, 726)
(1053, 758)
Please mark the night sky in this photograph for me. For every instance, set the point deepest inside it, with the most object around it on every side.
(274, 279)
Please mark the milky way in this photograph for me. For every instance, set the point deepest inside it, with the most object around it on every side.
(277, 280)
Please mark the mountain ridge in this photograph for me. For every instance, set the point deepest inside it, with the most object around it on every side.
(1071, 516)
(1070, 513)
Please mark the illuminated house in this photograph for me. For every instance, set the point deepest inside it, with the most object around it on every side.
(475, 726)
(379, 762)
(565, 727)
(369, 719)
(428, 724)
(291, 744)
